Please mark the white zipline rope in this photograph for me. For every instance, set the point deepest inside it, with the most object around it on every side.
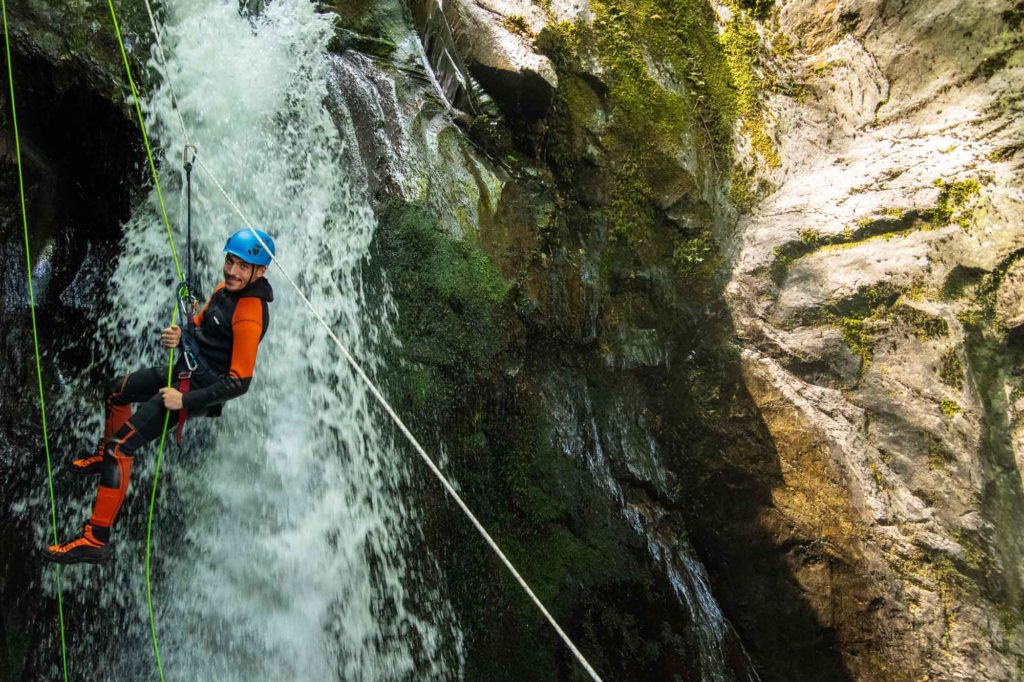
(163, 60)
(373, 388)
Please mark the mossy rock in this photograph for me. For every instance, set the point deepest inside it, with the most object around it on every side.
(449, 290)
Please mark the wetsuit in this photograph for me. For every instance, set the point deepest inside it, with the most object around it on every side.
(229, 329)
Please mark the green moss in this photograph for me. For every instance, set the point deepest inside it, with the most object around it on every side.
(972, 317)
(954, 200)
(684, 40)
(857, 337)
(810, 237)
(895, 222)
(823, 68)
(642, 125)
(960, 281)
(582, 104)
(741, 42)
(975, 557)
(758, 8)
(980, 312)
(937, 456)
(697, 259)
(919, 291)
(868, 300)
(937, 572)
(742, 188)
(855, 315)
(950, 408)
(848, 21)
(556, 556)
(992, 358)
(951, 586)
(924, 326)
(783, 45)
(876, 474)
(951, 369)
(517, 24)
(952, 206)
(781, 265)
(451, 289)
(1010, 622)
(1004, 153)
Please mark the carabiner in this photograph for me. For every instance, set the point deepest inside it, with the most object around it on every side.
(184, 155)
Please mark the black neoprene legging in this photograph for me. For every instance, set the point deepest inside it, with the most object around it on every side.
(143, 386)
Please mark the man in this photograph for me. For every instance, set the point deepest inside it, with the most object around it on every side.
(228, 331)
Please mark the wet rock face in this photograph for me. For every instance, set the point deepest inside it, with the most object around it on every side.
(79, 156)
(894, 227)
(80, 37)
(533, 344)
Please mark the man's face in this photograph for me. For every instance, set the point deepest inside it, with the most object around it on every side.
(238, 274)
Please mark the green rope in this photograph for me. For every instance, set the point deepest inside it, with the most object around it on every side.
(149, 522)
(35, 335)
(170, 365)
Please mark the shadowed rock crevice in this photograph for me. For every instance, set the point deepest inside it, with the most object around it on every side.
(525, 96)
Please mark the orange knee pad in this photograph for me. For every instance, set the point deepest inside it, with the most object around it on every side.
(108, 499)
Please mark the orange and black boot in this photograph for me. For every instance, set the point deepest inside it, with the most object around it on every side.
(116, 416)
(90, 464)
(88, 549)
(110, 493)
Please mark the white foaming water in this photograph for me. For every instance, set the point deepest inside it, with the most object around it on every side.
(289, 558)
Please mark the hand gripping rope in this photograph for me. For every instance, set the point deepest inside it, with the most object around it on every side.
(351, 361)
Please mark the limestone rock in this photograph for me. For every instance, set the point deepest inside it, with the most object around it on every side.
(839, 274)
(898, 175)
(1010, 297)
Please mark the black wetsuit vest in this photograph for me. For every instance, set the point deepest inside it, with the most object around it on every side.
(216, 343)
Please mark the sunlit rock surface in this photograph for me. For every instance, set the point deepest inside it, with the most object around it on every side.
(894, 222)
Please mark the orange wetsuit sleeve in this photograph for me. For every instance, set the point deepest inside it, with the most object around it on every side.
(246, 329)
(198, 319)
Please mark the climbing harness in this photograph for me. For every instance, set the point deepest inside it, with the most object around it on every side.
(35, 335)
(341, 347)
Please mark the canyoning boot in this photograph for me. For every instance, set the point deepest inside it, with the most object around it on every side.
(88, 465)
(116, 417)
(87, 549)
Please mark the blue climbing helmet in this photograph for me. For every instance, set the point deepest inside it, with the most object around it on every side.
(245, 245)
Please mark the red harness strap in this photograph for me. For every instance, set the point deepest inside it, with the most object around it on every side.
(184, 381)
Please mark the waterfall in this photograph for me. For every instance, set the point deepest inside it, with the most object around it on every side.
(281, 544)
